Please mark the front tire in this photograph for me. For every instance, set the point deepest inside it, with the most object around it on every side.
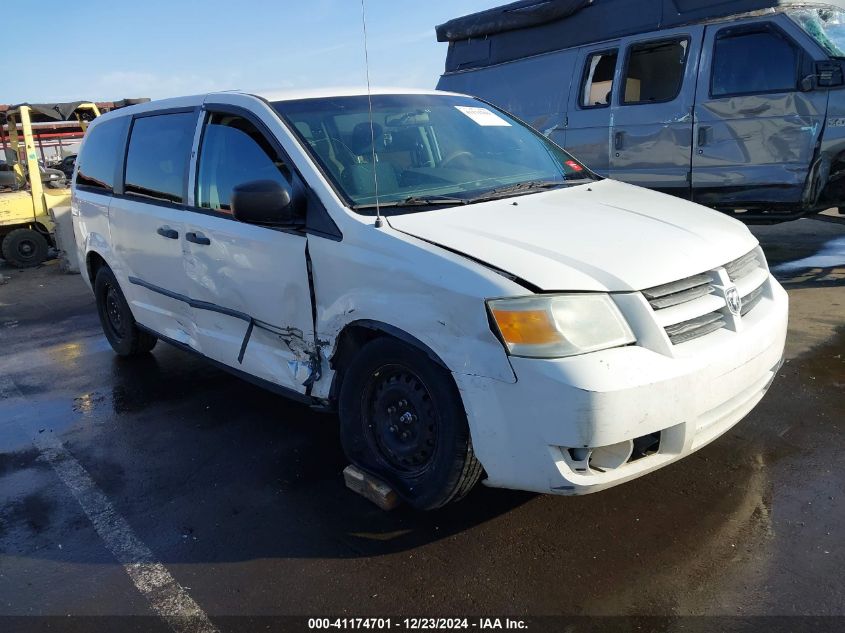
(119, 326)
(25, 248)
(402, 420)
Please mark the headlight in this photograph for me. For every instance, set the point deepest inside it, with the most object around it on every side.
(554, 326)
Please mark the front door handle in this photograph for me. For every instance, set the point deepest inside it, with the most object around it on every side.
(166, 231)
(619, 141)
(197, 238)
(702, 135)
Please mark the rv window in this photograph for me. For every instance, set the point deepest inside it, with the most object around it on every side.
(754, 63)
(655, 71)
(159, 150)
(597, 88)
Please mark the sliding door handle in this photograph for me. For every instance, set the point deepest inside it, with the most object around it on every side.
(197, 238)
(703, 130)
(166, 231)
(619, 141)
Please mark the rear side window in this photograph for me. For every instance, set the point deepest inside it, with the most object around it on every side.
(103, 149)
(754, 63)
(597, 87)
(157, 160)
(655, 71)
(233, 153)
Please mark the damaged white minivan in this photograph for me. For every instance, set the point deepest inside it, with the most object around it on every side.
(473, 301)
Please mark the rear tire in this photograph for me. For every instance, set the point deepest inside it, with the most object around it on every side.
(119, 326)
(403, 421)
(25, 248)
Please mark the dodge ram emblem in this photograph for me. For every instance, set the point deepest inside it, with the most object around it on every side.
(734, 301)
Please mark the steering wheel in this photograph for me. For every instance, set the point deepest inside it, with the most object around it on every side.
(460, 153)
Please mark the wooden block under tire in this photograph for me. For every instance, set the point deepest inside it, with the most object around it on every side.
(371, 488)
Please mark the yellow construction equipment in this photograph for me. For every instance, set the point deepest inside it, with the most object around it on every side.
(26, 229)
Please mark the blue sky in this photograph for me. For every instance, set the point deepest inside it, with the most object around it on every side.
(110, 49)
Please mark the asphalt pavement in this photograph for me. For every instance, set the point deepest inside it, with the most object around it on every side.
(163, 486)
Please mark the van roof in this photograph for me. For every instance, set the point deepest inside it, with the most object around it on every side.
(354, 91)
(532, 27)
(195, 100)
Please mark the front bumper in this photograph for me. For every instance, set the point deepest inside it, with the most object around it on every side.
(522, 432)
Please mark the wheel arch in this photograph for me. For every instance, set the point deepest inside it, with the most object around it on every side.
(356, 334)
(93, 262)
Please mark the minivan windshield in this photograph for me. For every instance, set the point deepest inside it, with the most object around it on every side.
(825, 25)
(426, 150)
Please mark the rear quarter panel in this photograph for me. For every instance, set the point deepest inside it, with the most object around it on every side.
(90, 212)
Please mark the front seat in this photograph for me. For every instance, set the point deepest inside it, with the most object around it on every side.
(361, 141)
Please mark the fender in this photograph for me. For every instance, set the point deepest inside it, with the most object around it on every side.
(346, 344)
(390, 330)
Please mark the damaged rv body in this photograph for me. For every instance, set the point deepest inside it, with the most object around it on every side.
(735, 105)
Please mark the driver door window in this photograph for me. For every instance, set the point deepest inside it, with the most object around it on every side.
(758, 62)
(234, 152)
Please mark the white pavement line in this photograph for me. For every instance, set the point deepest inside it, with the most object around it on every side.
(166, 596)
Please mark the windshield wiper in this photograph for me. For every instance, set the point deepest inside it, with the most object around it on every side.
(415, 201)
(520, 187)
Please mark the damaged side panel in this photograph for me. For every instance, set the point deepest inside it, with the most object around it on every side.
(430, 298)
(261, 274)
(756, 149)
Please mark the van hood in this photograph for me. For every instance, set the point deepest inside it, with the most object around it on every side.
(605, 236)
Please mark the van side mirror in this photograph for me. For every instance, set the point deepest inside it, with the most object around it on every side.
(264, 202)
(808, 84)
(829, 74)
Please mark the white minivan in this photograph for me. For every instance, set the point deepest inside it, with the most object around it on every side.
(472, 300)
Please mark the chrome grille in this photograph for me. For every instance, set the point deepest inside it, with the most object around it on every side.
(742, 267)
(695, 328)
(691, 308)
(678, 292)
(750, 301)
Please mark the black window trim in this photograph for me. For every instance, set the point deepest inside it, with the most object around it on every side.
(750, 29)
(681, 37)
(314, 206)
(583, 85)
(121, 183)
(121, 147)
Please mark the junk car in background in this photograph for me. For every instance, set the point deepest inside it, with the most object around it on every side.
(735, 105)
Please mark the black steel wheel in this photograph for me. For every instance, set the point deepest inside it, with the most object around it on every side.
(402, 420)
(25, 248)
(119, 326)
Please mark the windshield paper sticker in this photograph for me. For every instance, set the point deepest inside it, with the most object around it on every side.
(484, 117)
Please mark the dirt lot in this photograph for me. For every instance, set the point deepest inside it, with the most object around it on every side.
(234, 497)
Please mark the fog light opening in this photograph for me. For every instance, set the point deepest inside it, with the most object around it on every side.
(611, 457)
(645, 446)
